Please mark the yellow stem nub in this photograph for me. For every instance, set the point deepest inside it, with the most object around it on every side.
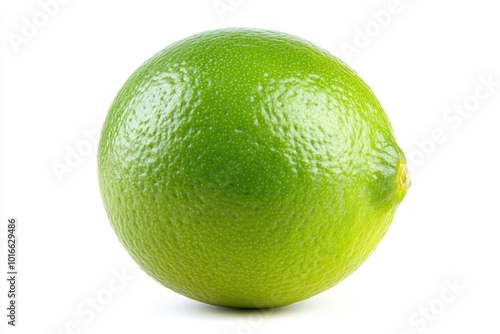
(404, 176)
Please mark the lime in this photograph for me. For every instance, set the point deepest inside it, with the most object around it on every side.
(249, 168)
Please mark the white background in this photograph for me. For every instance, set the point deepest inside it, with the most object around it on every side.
(425, 62)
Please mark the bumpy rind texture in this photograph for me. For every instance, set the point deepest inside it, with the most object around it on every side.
(248, 168)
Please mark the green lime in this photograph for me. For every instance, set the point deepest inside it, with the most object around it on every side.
(249, 168)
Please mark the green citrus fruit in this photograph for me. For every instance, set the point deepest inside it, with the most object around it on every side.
(249, 168)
